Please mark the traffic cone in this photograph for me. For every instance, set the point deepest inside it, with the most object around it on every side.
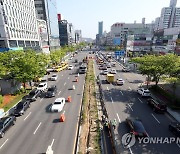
(62, 117)
(76, 80)
(69, 99)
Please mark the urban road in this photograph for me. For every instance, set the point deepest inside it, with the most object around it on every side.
(123, 101)
(38, 128)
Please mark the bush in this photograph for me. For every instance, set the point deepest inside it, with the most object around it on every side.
(1, 99)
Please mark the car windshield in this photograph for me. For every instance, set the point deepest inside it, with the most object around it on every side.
(147, 92)
(19, 106)
(51, 89)
(57, 102)
(41, 85)
(54, 75)
(32, 93)
(1, 125)
(138, 127)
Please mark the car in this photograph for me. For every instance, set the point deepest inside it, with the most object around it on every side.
(42, 86)
(105, 72)
(125, 69)
(120, 81)
(108, 65)
(21, 107)
(70, 67)
(33, 95)
(58, 105)
(136, 127)
(51, 92)
(113, 64)
(54, 77)
(113, 71)
(157, 105)
(70, 58)
(174, 127)
(144, 92)
(6, 123)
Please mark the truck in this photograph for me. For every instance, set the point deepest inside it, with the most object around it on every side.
(110, 78)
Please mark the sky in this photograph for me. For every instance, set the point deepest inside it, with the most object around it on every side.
(85, 14)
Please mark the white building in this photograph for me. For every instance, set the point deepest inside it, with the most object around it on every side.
(18, 24)
(78, 36)
(170, 17)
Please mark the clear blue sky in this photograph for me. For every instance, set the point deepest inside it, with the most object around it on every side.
(85, 14)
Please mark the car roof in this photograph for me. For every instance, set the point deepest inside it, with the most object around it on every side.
(43, 83)
(60, 99)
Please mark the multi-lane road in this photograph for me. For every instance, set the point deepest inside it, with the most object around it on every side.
(123, 101)
(38, 128)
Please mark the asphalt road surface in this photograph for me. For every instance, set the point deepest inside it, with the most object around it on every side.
(38, 128)
(123, 101)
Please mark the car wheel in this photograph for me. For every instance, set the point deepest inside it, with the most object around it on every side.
(2, 135)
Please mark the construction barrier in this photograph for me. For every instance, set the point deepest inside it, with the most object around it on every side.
(69, 99)
(62, 117)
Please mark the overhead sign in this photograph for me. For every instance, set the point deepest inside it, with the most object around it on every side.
(116, 41)
(119, 53)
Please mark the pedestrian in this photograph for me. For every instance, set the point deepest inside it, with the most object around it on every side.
(114, 123)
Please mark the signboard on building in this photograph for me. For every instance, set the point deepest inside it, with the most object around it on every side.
(119, 53)
(116, 41)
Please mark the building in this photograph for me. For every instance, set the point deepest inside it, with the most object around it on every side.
(170, 17)
(71, 34)
(100, 28)
(18, 25)
(78, 36)
(139, 40)
(46, 10)
(64, 32)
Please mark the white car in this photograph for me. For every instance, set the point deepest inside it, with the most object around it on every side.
(105, 72)
(54, 77)
(120, 81)
(70, 58)
(113, 71)
(144, 92)
(58, 105)
(70, 67)
(42, 86)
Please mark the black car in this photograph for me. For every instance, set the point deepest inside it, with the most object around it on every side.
(76, 61)
(51, 92)
(157, 105)
(6, 123)
(125, 69)
(174, 127)
(136, 127)
(21, 107)
(33, 95)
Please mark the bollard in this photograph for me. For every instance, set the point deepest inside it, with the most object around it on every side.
(62, 117)
(69, 99)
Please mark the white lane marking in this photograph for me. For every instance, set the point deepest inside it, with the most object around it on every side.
(118, 118)
(130, 107)
(59, 92)
(121, 92)
(64, 83)
(52, 143)
(130, 149)
(37, 128)
(41, 99)
(112, 100)
(107, 88)
(155, 118)
(68, 78)
(4, 143)
(130, 88)
(62, 74)
(140, 100)
(27, 116)
(178, 145)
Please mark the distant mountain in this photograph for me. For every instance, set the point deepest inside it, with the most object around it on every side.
(89, 40)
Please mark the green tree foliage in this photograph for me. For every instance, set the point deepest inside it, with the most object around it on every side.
(157, 66)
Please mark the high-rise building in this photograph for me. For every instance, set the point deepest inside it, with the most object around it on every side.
(78, 36)
(18, 25)
(100, 28)
(46, 10)
(170, 16)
